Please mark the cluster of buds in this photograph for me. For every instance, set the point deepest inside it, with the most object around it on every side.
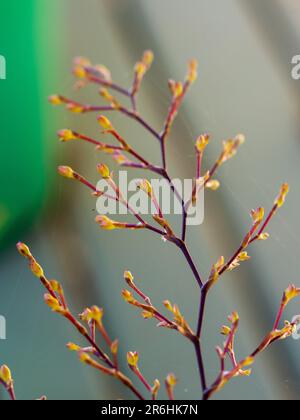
(149, 311)
(93, 317)
(275, 335)
(127, 156)
(140, 70)
(179, 91)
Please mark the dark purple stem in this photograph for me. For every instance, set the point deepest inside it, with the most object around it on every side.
(201, 366)
(182, 246)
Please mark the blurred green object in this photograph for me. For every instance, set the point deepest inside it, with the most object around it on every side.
(23, 158)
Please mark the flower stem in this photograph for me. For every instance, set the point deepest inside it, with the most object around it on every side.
(182, 246)
(201, 366)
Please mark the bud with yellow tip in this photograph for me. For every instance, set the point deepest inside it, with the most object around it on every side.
(128, 277)
(5, 375)
(79, 71)
(56, 287)
(24, 250)
(202, 142)
(106, 223)
(54, 304)
(155, 389)
(67, 135)
(85, 358)
(192, 71)
(263, 236)
(55, 100)
(145, 186)
(140, 70)
(66, 172)
(36, 269)
(258, 215)
(105, 123)
(280, 200)
(176, 88)
(115, 347)
(97, 314)
(103, 171)
(168, 306)
(213, 185)
(290, 293)
(215, 272)
(171, 382)
(225, 330)
(128, 296)
(75, 108)
(132, 359)
(230, 148)
(73, 347)
(148, 58)
(234, 318)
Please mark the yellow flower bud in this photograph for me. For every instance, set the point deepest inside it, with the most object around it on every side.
(230, 147)
(132, 359)
(147, 315)
(171, 380)
(36, 269)
(244, 256)
(282, 195)
(103, 171)
(85, 358)
(56, 286)
(246, 373)
(225, 330)
(66, 172)
(127, 295)
(202, 142)
(213, 185)
(55, 100)
(119, 158)
(115, 347)
(145, 186)
(67, 135)
(263, 237)
(148, 58)
(192, 71)
(140, 69)
(53, 304)
(75, 108)
(156, 388)
(177, 89)
(168, 306)
(5, 375)
(97, 314)
(73, 347)
(86, 316)
(80, 72)
(106, 223)
(234, 317)
(24, 250)
(105, 123)
(258, 215)
(128, 277)
(290, 293)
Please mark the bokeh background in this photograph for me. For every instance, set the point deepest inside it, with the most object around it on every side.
(245, 49)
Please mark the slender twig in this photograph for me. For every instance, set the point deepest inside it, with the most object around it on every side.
(201, 365)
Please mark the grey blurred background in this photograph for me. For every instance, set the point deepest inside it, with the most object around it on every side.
(245, 49)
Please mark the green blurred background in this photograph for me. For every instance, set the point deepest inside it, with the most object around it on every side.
(245, 49)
